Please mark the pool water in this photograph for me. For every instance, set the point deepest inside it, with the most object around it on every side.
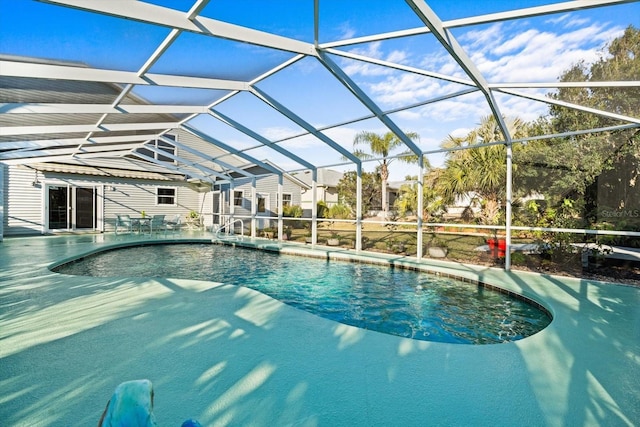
(393, 301)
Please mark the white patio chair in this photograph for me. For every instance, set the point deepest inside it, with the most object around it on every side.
(174, 224)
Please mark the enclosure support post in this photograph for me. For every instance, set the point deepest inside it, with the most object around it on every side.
(314, 208)
(420, 205)
(509, 198)
(359, 208)
(254, 208)
(279, 207)
(232, 205)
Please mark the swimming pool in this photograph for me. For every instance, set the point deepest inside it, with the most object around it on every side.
(389, 300)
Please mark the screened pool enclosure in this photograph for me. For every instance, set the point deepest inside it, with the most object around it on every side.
(500, 136)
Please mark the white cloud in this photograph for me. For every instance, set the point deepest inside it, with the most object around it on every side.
(516, 43)
(538, 55)
(484, 39)
(397, 56)
(346, 31)
(460, 132)
(558, 19)
(405, 88)
(373, 50)
(576, 22)
(469, 108)
(276, 133)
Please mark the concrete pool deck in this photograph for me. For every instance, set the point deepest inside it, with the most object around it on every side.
(230, 356)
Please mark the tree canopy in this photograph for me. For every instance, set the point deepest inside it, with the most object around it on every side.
(380, 147)
(598, 172)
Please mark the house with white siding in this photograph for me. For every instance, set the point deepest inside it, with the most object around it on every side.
(75, 195)
(75, 161)
(256, 196)
(87, 195)
(326, 188)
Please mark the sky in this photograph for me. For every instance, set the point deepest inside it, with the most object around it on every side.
(535, 49)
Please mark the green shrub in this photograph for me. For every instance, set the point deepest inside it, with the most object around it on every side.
(518, 258)
(339, 211)
(292, 211)
(322, 210)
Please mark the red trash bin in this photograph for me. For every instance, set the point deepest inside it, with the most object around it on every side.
(497, 247)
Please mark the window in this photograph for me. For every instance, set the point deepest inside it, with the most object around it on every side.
(238, 197)
(167, 148)
(166, 196)
(262, 204)
(286, 200)
(162, 146)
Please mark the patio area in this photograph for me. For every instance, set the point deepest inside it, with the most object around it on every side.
(231, 356)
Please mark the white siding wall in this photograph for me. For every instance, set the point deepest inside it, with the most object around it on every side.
(3, 171)
(24, 211)
(264, 185)
(131, 198)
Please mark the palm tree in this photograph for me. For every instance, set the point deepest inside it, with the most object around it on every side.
(480, 171)
(431, 201)
(380, 146)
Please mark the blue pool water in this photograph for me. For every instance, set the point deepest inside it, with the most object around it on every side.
(394, 301)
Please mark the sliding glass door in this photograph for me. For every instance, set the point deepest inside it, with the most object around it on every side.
(71, 207)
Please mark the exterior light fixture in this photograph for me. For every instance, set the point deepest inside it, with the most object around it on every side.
(36, 182)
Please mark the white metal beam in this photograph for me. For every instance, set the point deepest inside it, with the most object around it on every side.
(303, 124)
(62, 72)
(44, 108)
(529, 12)
(43, 143)
(113, 127)
(446, 39)
(182, 161)
(256, 136)
(206, 157)
(368, 102)
(157, 15)
(400, 67)
(49, 151)
(571, 105)
(211, 140)
(587, 84)
(172, 167)
(100, 154)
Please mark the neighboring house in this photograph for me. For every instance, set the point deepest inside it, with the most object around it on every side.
(326, 189)
(236, 200)
(468, 203)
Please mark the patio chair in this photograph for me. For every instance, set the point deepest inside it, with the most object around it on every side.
(154, 224)
(125, 222)
(174, 224)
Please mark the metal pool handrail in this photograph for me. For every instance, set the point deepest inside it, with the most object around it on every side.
(227, 228)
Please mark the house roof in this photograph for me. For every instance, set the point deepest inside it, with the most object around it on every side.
(266, 167)
(325, 178)
(56, 110)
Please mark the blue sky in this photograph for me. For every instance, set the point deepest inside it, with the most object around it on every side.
(532, 50)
